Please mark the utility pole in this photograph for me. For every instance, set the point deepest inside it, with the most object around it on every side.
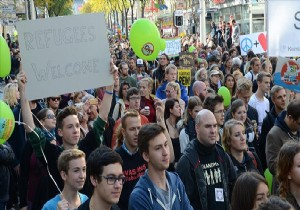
(202, 21)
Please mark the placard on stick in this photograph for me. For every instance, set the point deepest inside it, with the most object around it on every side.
(186, 60)
(64, 54)
(184, 76)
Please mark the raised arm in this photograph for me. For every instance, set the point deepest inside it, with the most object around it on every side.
(25, 108)
(160, 108)
(106, 102)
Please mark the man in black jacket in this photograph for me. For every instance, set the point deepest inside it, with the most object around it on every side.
(205, 169)
(278, 97)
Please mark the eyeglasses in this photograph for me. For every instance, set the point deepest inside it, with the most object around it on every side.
(111, 180)
(221, 111)
(50, 116)
(135, 98)
(55, 98)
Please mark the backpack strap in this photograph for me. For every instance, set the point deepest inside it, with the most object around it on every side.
(253, 158)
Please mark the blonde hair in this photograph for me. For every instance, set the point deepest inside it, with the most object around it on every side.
(9, 94)
(176, 87)
(149, 81)
(227, 133)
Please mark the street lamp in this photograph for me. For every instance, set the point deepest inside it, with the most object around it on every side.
(202, 21)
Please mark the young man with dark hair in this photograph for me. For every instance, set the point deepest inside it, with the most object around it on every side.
(134, 166)
(258, 100)
(286, 128)
(104, 169)
(72, 168)
(124, 75)
(278, 97)
(157, 188)
(216, 106)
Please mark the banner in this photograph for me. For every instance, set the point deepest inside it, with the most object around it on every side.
(284, 27)
(287, 74)
(257, 42)
(173, 47)
(64, 54)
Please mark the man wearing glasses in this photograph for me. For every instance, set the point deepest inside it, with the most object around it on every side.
(216, 106)
(104, 170)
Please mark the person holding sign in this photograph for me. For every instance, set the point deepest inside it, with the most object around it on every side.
(68, 128)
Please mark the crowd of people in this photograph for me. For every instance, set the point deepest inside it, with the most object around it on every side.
(148, 142)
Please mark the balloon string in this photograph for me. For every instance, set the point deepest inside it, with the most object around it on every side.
(43, 155)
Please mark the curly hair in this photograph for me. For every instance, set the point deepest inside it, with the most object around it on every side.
(285, 164)
(9, 94)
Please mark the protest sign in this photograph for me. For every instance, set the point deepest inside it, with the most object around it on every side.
(287, 74)
(257, 42)
(173, 47)
(64, 54)
(186, 60)
(283, 27)
(184, 76)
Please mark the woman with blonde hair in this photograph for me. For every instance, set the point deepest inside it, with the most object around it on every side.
(288, 173)
(188, 132)
(234, 143)
(11, 95)
(173, 92)
(147, 101)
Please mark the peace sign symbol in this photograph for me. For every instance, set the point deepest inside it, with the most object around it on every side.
(246, 44)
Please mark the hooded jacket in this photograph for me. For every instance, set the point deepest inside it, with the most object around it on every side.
(161, 93)
(144, 195)
(278, 135)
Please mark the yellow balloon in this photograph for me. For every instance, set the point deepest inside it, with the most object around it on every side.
(7, 122)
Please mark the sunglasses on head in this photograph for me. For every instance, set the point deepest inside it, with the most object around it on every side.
(50, 116)
(55, 98)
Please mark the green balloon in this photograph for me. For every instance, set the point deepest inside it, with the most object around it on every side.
(7, 122)
(269, 178)
(223, 91)
(163, 44)
(145, 39)
(192, 48)
(5, 60)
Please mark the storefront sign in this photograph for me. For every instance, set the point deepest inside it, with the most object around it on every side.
(64, 54)
(284, 27)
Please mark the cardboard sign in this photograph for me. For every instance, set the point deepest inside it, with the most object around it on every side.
(173, 47)
(283, 27)
(64, 54)
(184, 76)
(287, 74)
(257, 42)
(186, 60)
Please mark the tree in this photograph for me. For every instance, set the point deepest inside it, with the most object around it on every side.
(143, 5)
(56, 7)
(131, 2)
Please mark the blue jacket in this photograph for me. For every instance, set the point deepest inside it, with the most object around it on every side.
(144, 195)
(161, 94)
